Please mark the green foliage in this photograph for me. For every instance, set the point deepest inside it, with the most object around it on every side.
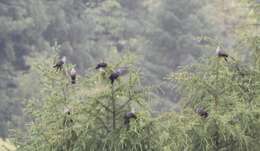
(228, 91)
(97, 109)
(169, 34)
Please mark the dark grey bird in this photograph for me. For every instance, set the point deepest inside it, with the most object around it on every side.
(221, 53)
(128, 116)
(101, 65)
(201, 112)
(60, 63)
(116, 74)
(73, 75)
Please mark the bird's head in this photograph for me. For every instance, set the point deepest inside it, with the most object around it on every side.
(218, 50)
(101, 70)
(73, 71)
(67, 110)
(63, 59)
(199, 109)
(122, 71)
(133, 110)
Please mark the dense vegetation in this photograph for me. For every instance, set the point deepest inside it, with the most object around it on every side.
(169, 49)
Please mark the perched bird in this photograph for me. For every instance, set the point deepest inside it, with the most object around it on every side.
(128, 116)
(101, 65)
(113, 77)
(119, 72)
(221, 53)
(60, 63)
(201, 112)
(67, 120)
(73, 75)
(120, 46)
(67, 111)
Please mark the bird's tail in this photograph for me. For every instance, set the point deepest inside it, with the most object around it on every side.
(112, 79)
(226, 59)
(73, 79)
(233, 58)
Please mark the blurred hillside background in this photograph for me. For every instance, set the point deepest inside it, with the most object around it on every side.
(165, 34)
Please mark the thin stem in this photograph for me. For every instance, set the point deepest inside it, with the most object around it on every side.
(103, 123)
(113, 106)
(217, 80)
(126, 103)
